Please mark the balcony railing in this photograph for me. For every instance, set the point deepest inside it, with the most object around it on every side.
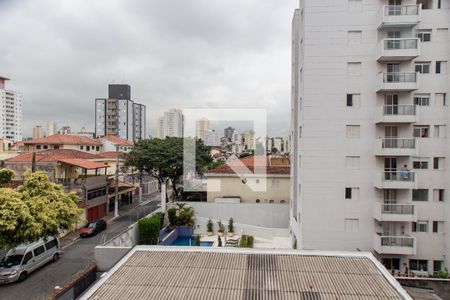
(398, 77)
(399, 110)
(401, 10)
(397, 209)
(401, 44)
(396, 143)
(397, 241)
(398, 176)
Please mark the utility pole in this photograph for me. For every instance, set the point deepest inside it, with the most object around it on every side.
(163, 196)
(33, 162)
(116, 198)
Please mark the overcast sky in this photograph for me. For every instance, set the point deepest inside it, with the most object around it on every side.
(174, 53)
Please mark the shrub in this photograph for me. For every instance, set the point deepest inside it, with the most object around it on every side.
(149, 229)
(441, 274)
(219, 240)
(172, 215)
(197, 240)
(231, 225)
(161, 218)
(221, 228)
(185, 215)
(246, 241)
(6, 176)
(210, 226)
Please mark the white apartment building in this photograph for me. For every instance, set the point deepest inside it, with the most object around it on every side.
(171, 124)
(11, 113)
(201, 128)
(212, 138)
(370, 94)
(119, 115)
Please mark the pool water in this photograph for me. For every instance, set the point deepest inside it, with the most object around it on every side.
(190, 241)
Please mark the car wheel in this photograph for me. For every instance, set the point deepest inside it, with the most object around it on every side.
(55, 256)
(23, 276)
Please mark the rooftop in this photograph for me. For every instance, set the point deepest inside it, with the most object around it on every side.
(152, 272)
(273, 165)
(64, 139)
(52, 155)
(83, 163)
(117, 140)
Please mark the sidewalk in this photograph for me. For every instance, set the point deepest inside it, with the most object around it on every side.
(73, 236)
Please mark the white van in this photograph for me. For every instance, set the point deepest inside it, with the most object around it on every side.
(24, 259)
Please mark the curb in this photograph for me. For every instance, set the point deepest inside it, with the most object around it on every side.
(71, 243)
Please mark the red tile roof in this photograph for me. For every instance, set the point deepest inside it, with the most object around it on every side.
(83, 163)
(111, 154)
(117, 140)
(64, 139)
(250, 161)
(52, 155)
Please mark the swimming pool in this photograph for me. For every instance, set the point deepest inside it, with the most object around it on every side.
(190, 241)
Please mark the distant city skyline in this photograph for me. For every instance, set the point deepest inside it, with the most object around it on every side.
(242, 60)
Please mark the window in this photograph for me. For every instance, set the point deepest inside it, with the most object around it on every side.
(351, 225)
(38, 147)
(441, 99)
(352, 162)
(354, 37)
(355, 5)
(45, 147)
(27, 258)
(418, 265)
(438, 163)
(351, 193)
(258, 201)
(437, 265)
(353, 131)
(441, 67)
(439, 131)
(435, 226)
(438, 195)
(97, 148)
(353, 100)
(348, 193)
(422, 100)
(442, 34)
(419, 226)
(420, 163)
(51, 244)
(88, 148)
(391, 263)
(275, 183)
(39, 250)
(421, 131)
(439, 4)
(354, 68)
(96, 193)
(81, 147)
(423, 67)
(420, 195)
(424, 35)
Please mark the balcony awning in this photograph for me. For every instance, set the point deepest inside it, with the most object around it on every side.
(83, 163)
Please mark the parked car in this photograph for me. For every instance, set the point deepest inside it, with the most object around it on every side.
(24, 259)
(93, 228)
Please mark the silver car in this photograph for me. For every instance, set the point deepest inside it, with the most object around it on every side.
(24, 259)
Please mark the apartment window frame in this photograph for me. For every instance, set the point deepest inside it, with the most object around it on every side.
(440, 131)
(354, 100)
(354, 68)
(351, 225)
(352, 162)
(353, 131)
(438, 163)
(420, 195)
(424, 35)
(422, 99)
(421, 131)
(420, 226)
(439, 195)
(423, 67)
(421, 163)
(418, 265)
(435, 227)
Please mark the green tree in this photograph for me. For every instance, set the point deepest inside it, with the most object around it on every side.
(6, 176)
(38, 208)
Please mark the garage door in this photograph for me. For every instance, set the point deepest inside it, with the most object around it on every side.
(96, 212)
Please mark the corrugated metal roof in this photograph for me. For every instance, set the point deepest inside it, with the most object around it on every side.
(250, 275)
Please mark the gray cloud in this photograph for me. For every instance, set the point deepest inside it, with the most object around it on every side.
(174, 53)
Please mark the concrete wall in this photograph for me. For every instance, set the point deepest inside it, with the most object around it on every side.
(107, 256)
(231, 186)
(440, 286)
(263, 215)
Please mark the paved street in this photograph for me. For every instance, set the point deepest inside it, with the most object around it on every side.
(40, 284)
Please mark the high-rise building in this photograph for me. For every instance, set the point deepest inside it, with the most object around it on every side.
(171, 124)
(202, 128)
(212, 138)
(119, 115)
(38, 132)
(65, 130)
(11, 113)
(370, 161)
(229, 132)
(278, 143)
(248, 137)
(51, 130)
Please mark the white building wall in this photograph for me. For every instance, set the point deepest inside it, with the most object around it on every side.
(328, 65)
(11, 115)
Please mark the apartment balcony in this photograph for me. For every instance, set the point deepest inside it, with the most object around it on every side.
(400, 245)
(395, 147)
(396, 180)
(400, 16)
(397, 114)
(401, 49)
(394, 212)
(398, 82)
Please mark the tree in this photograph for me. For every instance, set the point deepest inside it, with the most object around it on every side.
(38, 208)
(6, 176)
(163, 159)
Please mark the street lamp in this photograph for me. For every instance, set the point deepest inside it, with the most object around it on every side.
(116, 198)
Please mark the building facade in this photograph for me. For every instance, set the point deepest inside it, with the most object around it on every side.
(119, 115)
(370, 165)
(10, 112)
(38, 132)
(201, 128)
(229, 133)
(170, 124)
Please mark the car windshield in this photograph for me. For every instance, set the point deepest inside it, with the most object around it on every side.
(90, 225)
(12, 260)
